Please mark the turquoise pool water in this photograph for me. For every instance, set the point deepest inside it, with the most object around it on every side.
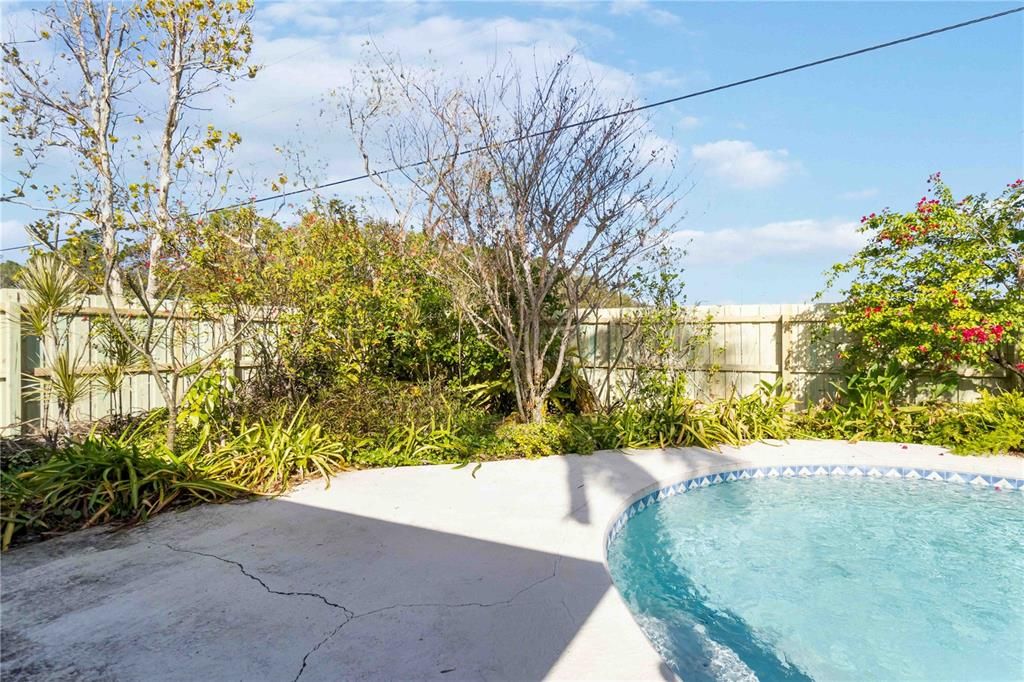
(830, 579)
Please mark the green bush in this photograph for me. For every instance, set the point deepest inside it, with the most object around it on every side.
(666, 417)
(876, 404)
(132, 475)
(553, 437)
(266, 455)
(994, 424)
(102, 479)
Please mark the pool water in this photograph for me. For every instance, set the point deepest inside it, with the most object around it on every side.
(830, 579)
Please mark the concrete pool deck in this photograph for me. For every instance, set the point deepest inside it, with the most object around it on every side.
(398, 574)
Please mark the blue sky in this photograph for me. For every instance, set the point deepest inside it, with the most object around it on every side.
(781, 170)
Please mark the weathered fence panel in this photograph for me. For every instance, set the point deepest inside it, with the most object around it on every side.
(21, 361)
(749, 344)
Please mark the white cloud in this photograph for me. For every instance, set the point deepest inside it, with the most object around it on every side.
(734, 245)
(645, 9)
(12, 233)
(742, 164)
(286, 101)
(311, 16)
(688, 122)
(866, 193)
(663, 78)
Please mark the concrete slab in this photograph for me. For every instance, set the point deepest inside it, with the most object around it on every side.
(414, 573)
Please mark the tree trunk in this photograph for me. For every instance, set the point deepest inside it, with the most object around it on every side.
(171, 400)
(537, 412)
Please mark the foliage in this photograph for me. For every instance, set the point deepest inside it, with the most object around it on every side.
(209, 402)
(120, 357)
(873, 404)
(667, 417)
(266, 455)
(54, 294)
(876, 404)
(552, 437)
(102, 479)
(993, 424)
(132, 475)
(222, 260)
(939, 286)
(9, 270)
(357, 303)
(662, 338)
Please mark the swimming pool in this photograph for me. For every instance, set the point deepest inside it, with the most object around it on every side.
(829, 577)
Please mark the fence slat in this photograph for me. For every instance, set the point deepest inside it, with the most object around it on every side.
(750, 343)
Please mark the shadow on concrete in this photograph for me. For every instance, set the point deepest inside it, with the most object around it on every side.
(624, 476)
(277, 590)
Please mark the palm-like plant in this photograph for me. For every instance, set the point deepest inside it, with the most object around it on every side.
(55, 293)
(121, 356)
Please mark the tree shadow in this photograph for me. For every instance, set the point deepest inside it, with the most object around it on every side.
(617, 471)
(280, 590)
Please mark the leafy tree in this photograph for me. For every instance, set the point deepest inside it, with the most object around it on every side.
(9, 270)
(938, 286)
(113, 95)
(356, 300)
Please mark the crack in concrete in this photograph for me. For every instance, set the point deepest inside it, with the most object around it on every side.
(331, 634)
(266, 587)
(350, 615)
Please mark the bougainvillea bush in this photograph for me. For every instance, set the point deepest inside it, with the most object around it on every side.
(939, 286)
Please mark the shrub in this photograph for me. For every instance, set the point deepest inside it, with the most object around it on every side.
(102, 479)
(266, 455)
(938, 286)
(552, 437)
(359, 303)
(668, 418)
(876, 405)
(872, 404)
(994, 424)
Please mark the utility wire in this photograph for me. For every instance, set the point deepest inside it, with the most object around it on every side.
(624, 112)
(633, 110)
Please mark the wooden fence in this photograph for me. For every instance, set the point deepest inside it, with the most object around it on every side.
(21, 361)
(748, 344)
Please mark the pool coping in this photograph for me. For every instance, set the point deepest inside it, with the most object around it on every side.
(713, 476)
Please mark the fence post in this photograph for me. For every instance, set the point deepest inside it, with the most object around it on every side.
(10, 364)
(783, 355)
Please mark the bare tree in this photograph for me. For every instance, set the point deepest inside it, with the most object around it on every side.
(127, 64)
(543, 194)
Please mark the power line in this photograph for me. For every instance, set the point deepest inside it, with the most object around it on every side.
(633, 110)
(624, 112)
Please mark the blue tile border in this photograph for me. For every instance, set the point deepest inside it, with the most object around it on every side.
(805, 470)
